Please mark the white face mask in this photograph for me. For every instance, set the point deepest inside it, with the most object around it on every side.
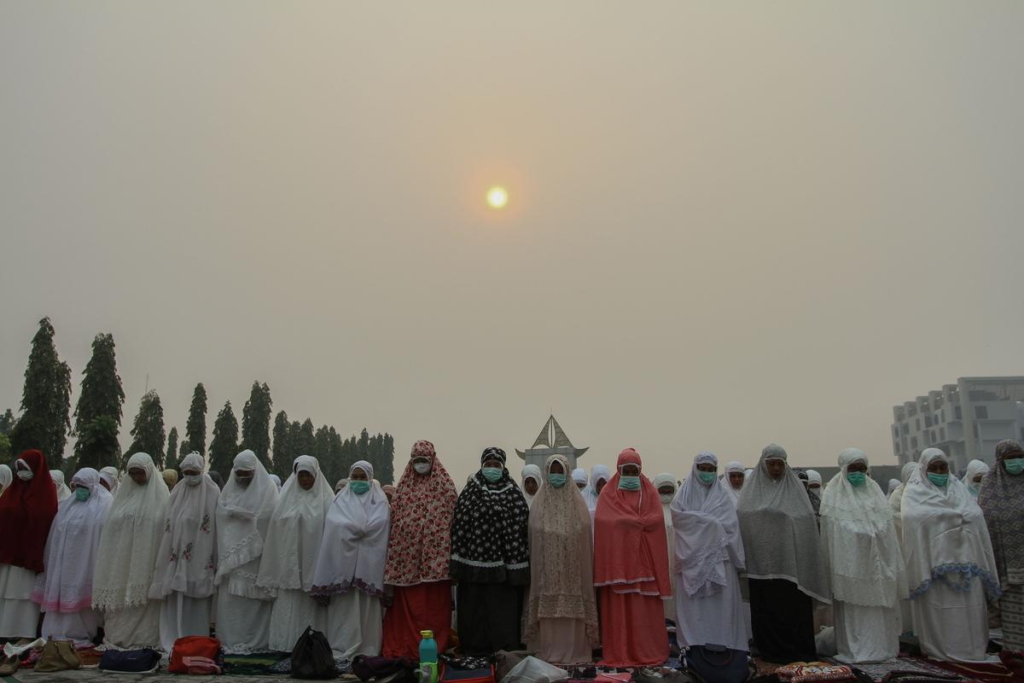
(193, 479)
(421, 467)
(25, 475)
(666, 498)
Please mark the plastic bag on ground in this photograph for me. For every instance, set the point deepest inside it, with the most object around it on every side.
(533, 670)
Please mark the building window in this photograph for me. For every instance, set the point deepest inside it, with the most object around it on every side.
(927, 421)
(918, 427)
(913, 442)
(957, 413)
(981, 412)
(942, 433)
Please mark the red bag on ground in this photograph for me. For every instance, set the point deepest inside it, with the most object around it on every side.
(196, 655)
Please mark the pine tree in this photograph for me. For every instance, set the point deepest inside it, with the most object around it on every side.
(7, 422)
(195, 426)
(45, 401)
(102, 396)
(387, 474)
(321, 451)
(171, 460)
(256, 423)
(148, 431)
(306, 444)
(5, 450)
(224, 446)
(283, 457)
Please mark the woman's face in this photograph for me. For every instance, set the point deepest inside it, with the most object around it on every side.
(244, 477)
(600, 484)
(667, 489)
(21, 467)
(493, 462)
(138, 475)
(358, 475)
(631, 471)
(736, 479)
(305, 479)
(706, 467)
(938, 466)
(859, 466)
(190, 472)
(531, 486)
(105, 484)
(776, 468)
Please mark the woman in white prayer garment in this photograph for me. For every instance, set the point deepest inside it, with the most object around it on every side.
(708, 559)
(127, 556)
(63, 492)
(951, 569)
(349, 573)
(244, 510)
(64, 589)
(186, 562)
(291, 551)
(667, 487)
(864, 562)
(976, 471)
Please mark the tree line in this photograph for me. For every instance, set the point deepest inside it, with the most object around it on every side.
(45, 423)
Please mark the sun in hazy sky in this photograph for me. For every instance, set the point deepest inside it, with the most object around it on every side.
(497, 197)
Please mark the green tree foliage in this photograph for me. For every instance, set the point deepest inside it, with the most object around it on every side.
(195, 426)
(148, 434)
(306, 443)
(224, 446)
(102, 396)
(98, 444)
(7, 422)
(171, 461)
(283, 457)
(45, 401)
(256, 423)
(5, 450)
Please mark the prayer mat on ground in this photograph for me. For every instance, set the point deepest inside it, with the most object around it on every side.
(879, 671)
(252, 665)
(986, 672)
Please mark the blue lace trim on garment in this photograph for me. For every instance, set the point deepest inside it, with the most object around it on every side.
(958, 576)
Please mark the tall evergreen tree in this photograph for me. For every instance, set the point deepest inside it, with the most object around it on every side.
(171, 460)
(306, 443)
(148, 431)
(387, 474)
(195, 426)
(256, 423)
(102, 396)
(322, 451)
(224, 446)
(45, 401)
(5, 450)
(282, 446)
(7, 422)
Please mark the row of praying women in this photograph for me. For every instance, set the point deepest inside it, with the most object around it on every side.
(566, 565)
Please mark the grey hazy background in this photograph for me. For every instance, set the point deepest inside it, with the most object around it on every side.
(728, 224)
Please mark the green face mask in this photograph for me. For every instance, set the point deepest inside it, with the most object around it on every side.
(492, 474)
(82, 493)
(706, 478)
(857, 478)
(1014, 465)
(939, 480)
(556, 480)
(359, 487)
(629, 483)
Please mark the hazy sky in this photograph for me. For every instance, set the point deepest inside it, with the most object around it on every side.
(729, 224)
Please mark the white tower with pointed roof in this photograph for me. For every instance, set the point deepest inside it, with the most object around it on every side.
(551, 441)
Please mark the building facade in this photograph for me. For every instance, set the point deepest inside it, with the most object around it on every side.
(965, 420)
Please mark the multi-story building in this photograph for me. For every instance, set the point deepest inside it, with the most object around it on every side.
(965, 420)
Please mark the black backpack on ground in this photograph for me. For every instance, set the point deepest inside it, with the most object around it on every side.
(312, 657)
